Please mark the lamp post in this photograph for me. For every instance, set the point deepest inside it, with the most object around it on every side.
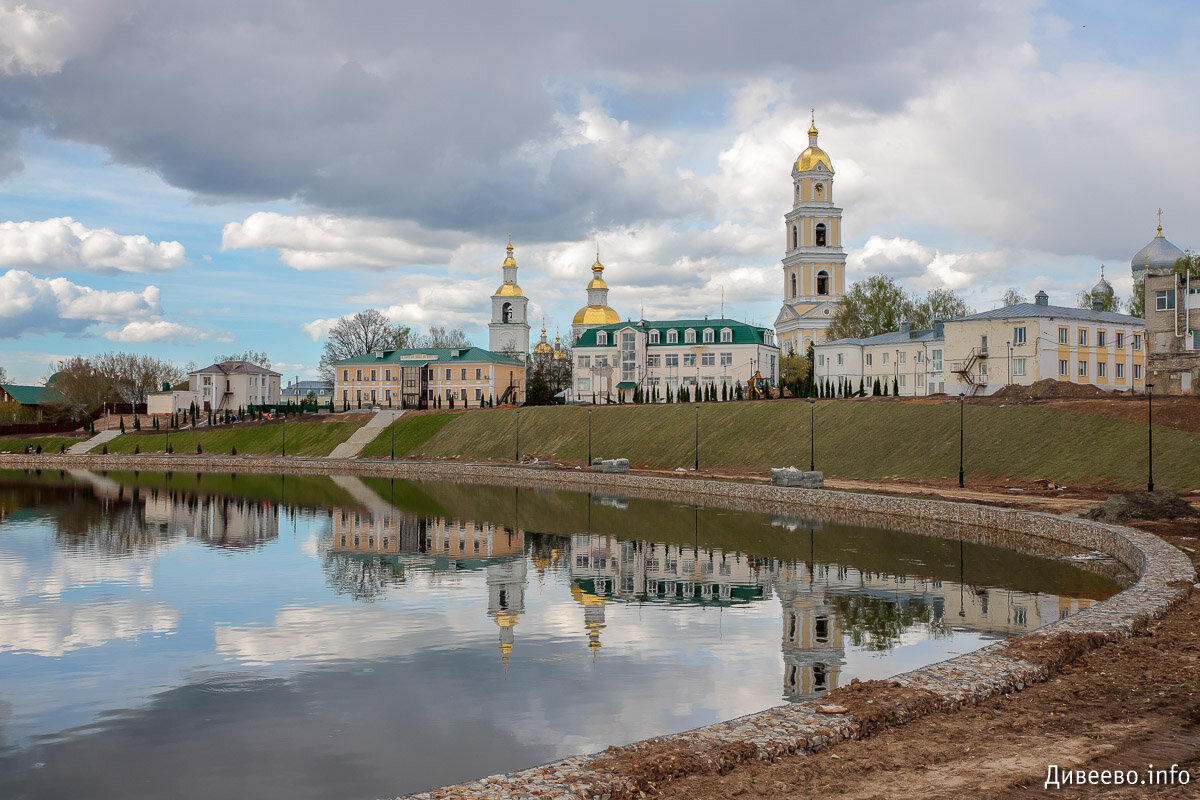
(589, 461)
(393, 427)
(285, 435)
(961, 397)
(812, 435)
(1150, 436)
(697, 438)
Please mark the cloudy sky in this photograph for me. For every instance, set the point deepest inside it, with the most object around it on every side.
(190, 179)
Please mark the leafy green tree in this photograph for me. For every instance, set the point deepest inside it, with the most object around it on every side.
(870, 307)
(940, 304)
(1135, 306)
(1187, 264)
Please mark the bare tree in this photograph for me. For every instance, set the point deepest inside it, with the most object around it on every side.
(441, 336)
(81, 386)
(1012, 297)
(3, 376)
(252, 356)
(364, 332)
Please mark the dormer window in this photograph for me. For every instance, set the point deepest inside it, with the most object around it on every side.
(708, 335)
(689, 336)
(726, 335)
(672, 337)
(653, 337)
(601, 337)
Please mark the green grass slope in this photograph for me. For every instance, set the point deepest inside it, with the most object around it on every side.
(303, 439)
(854, 439)
(410, 432)
(50, 444)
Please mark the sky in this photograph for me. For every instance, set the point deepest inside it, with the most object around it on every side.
(195, 179)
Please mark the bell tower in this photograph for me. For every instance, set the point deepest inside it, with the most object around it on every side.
(508, 331)
(814, 263)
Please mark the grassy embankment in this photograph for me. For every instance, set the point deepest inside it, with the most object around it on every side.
(49, 444)
(303, 439)
(410, 432)
(855, 439)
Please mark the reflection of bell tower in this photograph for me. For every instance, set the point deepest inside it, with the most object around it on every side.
(813, 644)
(509, 328)
(506, 600)
(593, 616)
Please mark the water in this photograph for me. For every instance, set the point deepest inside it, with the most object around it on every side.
(292, 637)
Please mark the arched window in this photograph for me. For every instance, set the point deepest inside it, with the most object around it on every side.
(822, 282)
(653, 337)
(708, 335)
(506, 313)
(793, 284)
(672, 337)
(795, 237)
(602, 337)
(726, 335)
(820, 234)
(689, 336)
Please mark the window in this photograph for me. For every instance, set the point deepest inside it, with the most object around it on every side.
(1063, 336)
(1083, 369)
(1019, 335)
(602, 337)
(822, 282)
(820, 233)
(345, 375)
(387, 375)
(868, 359)
(1101, 369)
(585, 362)
(726, 335)
(448, 373)
(840, 359)
(793, 284)
(1137, 342)
(708, 335)
(1164, 300)
(462, 375)
(672, 359)
(1101, 338)
(689, 359)
(1063, 367)
(726, 359)
(358, 374)
(585, 384)
(795, 243)
(463, 394)
(900, 379)
(1137, 372)
(917, 356)
(1120, 371)
(820, 360)
(654, 336)
(902, 355)
(1083, 337)
(708, 359)
(601, 362)
(689, 336)
(1120, 340)
(653, 360)
(1018, 366)
(885, 359)
(372, 374)
(672, 337)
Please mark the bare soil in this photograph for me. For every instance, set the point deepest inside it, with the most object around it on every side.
(1120, 705)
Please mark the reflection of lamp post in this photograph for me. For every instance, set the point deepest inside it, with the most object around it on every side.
(961, 397)
(962, 582)
(697, 438)
(518, 456)
(1150, 435)
(812, 435)
(589, 461)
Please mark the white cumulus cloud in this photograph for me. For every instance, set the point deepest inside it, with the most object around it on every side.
(62, 243)
(32, 41)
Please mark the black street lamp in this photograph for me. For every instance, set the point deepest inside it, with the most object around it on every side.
(393, 427)
(285, 435)
(589, 438)
(812, 435)
(1150, 435)
(961, 397)
(697, 437)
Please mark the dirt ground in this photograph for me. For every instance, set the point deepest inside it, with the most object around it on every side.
(1123, 705)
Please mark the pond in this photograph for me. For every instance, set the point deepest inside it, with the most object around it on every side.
(200, 636)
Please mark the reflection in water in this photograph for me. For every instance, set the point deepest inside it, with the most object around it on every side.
(220, 616)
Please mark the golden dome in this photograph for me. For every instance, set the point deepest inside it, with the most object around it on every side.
(597, 271)
(543, 347)
(509, 290)
(811, 157)
(507, 620)
(596, 315)
(559, 355)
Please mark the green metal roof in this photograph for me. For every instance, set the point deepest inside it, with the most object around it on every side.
(743, 333)
(409, 355)
(626, 384)
(32, 395)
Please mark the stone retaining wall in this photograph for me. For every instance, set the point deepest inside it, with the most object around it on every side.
(1164, 575)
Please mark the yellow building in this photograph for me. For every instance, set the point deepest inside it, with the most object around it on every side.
(814, 264)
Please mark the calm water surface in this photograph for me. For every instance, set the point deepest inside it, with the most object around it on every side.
(211, 636)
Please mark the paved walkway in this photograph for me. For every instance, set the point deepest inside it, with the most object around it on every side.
(97, 440)
(352, 447)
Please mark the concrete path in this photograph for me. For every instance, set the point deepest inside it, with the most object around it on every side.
(352, 447)
(360, 492)
(97, 440)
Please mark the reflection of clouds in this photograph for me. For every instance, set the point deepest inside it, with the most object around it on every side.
(56, 629)
(19, 578)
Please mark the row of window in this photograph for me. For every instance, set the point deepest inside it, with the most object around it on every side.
(935, 357)
(430, 374)
(1064, 338)
(708, 336)
(369, 395)
(1064, 369)
(655, 360)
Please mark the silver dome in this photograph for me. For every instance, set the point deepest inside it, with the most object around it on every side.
(1158, 256)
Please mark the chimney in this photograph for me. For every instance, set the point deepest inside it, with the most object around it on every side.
(906, 327)
(1097, 305)
(939, 329)
(1041, 299)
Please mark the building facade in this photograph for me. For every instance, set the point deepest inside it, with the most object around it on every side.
(910, 362)
(612, 361)
(414, 378)
(1173, 333)
(814, 264)
(296, 392)
(231, 385)
(508, 331)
